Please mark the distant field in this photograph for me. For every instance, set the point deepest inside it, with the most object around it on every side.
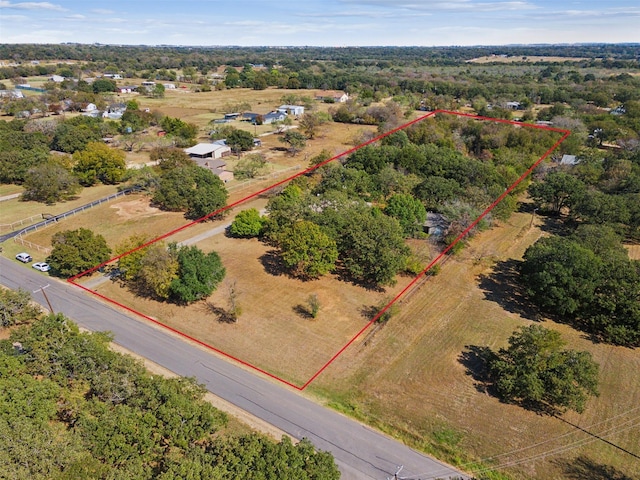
(527, 59)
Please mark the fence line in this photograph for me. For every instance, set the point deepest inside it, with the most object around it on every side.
(54, 219)
(12, 226)
(31, 245)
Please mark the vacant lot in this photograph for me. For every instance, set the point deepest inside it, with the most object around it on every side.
(412, 382)
(274, 331)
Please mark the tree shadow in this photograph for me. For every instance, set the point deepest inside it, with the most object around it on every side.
(476, 360)
(583, 468)
(223, 316)
(503, 287)
(272, 263)
(303, 311)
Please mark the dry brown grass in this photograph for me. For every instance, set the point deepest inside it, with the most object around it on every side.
(411, 382)
(273, 332)
(634, 251)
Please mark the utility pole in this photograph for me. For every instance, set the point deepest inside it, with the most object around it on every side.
(45, 297)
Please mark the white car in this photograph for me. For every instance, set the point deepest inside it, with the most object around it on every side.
(43, 267)
(24, 257)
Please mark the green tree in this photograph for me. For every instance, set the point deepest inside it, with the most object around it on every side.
(75, 251)
(295, 140)
(103, 85)
(250, 166)
(239, 141)
(248, 223)
(198, 274)
(557, 191)
(372, 247)
(169, 158)
(535, 371)
(99, 163)
(179, 128)
(307, 250)
(409, 211)
(49, 183)
(70, 137)
(192, 189)
(560, 275)
(16, 307)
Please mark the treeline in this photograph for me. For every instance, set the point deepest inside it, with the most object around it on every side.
(585, 275)
(179, 57)
(353, 217)
(72, 408)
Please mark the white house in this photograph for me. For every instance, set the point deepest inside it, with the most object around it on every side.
(296, 110)
(56, 78)
(169, 86)
(90, 107)
(332, 96)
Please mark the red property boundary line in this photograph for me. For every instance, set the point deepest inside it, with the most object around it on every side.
(404, 291)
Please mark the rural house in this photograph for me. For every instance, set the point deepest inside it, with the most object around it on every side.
(332, 96)
(295, 110)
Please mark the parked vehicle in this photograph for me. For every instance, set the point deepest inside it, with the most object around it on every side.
(24, 257)
(43, 267)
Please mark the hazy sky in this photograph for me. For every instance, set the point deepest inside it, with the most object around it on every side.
(320, 22)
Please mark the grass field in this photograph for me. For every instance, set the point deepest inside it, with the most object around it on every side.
(411, 382)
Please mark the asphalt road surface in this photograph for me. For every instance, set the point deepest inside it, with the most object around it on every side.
(360, 452)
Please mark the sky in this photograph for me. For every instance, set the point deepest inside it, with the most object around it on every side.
(335, 23)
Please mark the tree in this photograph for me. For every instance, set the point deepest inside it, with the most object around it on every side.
(198, 274)
(193, 189)
(75, 251)
(239, 141)
(187, 132)
(99, 162)
(71, 137)
(131, 254)
(556, 191)
(372, 247)
(247, 224)
(169, 158)
(103, 85)
(250, 166)
(50, 183)
(156, 271)
(295, 140)
(535, 371)
(310, 122)
(560, 275)
(307, 250)
(16, 307)
(409, 211)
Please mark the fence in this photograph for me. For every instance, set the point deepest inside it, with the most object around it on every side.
(31, 245)
(12, 226)
(54, 219)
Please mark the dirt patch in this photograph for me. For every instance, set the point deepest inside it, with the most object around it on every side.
(634, 251)
(139, 207)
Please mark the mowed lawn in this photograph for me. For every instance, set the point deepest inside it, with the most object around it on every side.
(410, 379)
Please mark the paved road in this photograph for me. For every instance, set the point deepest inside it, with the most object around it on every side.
(360, 452)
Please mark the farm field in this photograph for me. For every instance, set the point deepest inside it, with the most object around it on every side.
(412, 382)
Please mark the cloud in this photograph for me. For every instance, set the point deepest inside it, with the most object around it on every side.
(75, 17)
(451, 5)
(31, 6)
(102, 11)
